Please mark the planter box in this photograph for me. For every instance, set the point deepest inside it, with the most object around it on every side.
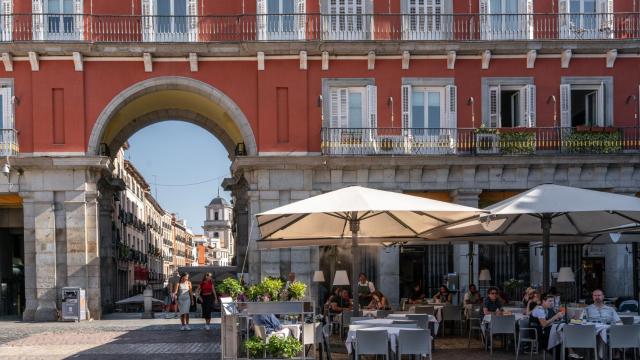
(487, 144)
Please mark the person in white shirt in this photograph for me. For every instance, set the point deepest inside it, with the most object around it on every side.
(600, 312)
(542, 317)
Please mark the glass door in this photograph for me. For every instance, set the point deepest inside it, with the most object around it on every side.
(171, 20)
(60, 19)
(280, 20)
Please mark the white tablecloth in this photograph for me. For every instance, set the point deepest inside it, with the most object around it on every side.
(432, 320)
(383, 322)
(392, 331)
(555, 336)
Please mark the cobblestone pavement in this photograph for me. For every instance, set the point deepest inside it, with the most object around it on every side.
(119, 337)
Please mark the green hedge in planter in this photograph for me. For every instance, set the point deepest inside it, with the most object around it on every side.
(518, 142)
(276, 347)
(594, 142)
(255, 347)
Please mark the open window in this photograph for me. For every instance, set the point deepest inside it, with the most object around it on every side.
(281, 19)
(57, 19)
(586, 19)
(512, 106)
(346, 20)
(424, 19)
(506, 19)
(353, 118)
(582, 105)
(170, 20)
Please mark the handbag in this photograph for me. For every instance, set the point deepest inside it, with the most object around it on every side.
(199, 300)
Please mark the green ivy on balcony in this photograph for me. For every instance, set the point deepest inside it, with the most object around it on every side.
(594, 140)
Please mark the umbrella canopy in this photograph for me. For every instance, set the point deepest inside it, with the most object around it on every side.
(137, 299)
(356, 215)
(548, 213)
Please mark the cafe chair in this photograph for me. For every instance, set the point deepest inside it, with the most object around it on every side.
(579, 337)
(421, 320)
(475, 324)
(425, 309)
(452, 313)
(326, 341)
(412, 342)
(624, 337)
(502, 325)
(372, 342)
(381, 314)
(527, 334)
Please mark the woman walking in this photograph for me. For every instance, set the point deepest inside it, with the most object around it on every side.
(208, 295)
(184, 293)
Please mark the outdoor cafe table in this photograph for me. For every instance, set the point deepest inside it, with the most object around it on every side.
(433, 322)
(383, 322)
(393, 333)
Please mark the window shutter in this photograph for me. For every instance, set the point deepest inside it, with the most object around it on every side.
(605, 17)
(565, 105)
(525, 18)
(261, 20)
(339, 106)
(451, 106)
(7, 20)
(7, 109)
(192, 13)
(301, 18)
(372, 111)
(38, 19)
(343, 108)
(78, 20)
(148, 20)
(406, 106)
(531, 105)
(406, 19)
(494, 107)
(601, 120)
(523, 108)
(485, 29)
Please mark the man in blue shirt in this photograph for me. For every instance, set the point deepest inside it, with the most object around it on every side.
(600, 312)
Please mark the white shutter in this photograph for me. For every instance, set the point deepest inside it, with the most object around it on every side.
(37, 9)
(406, 19)
(485, 28)
(192, 20)
(301, 19)
(600, 106)
(261, 19)
(494, 107)
(525, 18)
(451, 106)
(78, 20)
(406, 106)
(605, 17)
(372, 111)
(334, 108)
(564, 19)
(531, 106)
(523, 110)
(343, 108)
(7, 109)
(565, 105)
(7, 20)
(148, 20)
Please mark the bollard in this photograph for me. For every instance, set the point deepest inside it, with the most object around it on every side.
(148, 304)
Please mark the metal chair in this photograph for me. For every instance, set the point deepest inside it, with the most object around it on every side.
(381, 314)
(372, 342)
(403, 303)
(452, 313)
(628, 305)
(412, 342)
(326, 341)
(579, 337)
(504, 325)
(425, 309)
(624, 337)
(421, 320)
(475, 323)
(527, 334)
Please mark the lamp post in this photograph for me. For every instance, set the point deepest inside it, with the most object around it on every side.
(483, 278)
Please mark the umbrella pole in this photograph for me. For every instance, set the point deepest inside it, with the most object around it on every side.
(470, 256)
(354, 225)
(546, 234)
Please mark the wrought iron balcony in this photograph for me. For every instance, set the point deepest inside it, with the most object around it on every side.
(318, 27)
(482, 141)
(9, 142)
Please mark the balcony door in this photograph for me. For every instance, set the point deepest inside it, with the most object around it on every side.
(424, 19)
(281, 19)
(353, 119)
(170, 20)
(512, 106)
(57, 19)
(586, 19)
(8, 139)
(6, 20)
(582, 105)
(347, 20)
(506, 19)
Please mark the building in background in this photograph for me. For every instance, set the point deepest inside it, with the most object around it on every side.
(218, 228)
(201, 250)
(154, 239)
(168, 245)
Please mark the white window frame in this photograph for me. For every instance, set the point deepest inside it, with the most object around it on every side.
(347, 19)
(491, 100)
(6, 23)
(425, 91)
(41, 17)
(567, 110)
(264, 18)
(603, 27)
(8, 139)
(431, 20)
(523, 20)
(150, 17)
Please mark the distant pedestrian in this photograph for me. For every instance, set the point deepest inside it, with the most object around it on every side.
(208, 295)
(184, 293)
(172, 301)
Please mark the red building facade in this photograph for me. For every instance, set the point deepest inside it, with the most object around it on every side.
(322, 94)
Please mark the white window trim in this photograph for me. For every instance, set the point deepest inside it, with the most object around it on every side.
(299, 21)
(427, 22)
(605, 86)
(330, 23)
(524, 20)
(40, 9)
(149, 9)
(425, 90)
(528, 93)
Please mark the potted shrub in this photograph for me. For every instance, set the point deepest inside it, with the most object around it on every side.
(297, 290)
(518, 141)
(596, 141)
(271, 287)
(283, 347)
(229, 287)
(255, 347)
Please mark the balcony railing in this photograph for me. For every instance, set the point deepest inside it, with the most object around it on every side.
(315, 27)
(484, 141)
(9, 142)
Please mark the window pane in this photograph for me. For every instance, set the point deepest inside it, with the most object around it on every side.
(273, 22)
(164, 16)
(495, 7)
(180, 11)
(434, 109)
(589, 6)
(68, 7)
(288, 21)
(355, 110)
(54, 7)
(417, 109)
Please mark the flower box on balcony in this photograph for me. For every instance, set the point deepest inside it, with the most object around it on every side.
(518, 142)
(595, 140)
(487, 141)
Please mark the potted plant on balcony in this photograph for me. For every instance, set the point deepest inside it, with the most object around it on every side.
(283, 347)
(487, 140)
(595, 140)
(518, 141)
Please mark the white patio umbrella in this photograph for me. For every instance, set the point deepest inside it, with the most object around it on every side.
(356, 215)
(547, 213)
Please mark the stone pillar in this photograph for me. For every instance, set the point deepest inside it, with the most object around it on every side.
(40, 256)
(619, 261)
(466, 197)
(94, 303)
(108, 264)
(389, 274)
(253, 257)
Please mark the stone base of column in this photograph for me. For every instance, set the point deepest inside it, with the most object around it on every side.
(29, 315)
(46, 314)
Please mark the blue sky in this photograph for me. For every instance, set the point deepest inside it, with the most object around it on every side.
(178, 154)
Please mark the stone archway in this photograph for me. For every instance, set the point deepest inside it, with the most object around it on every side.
(174, 83)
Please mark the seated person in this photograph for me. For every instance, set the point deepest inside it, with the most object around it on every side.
(443, 296)
(534, 301)
(379, 301)
(341, 303)
(416, 296)
(600, 312)
(492, 304)
(528, 295)
(271, 325)
(471, 298)
(542, 317)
